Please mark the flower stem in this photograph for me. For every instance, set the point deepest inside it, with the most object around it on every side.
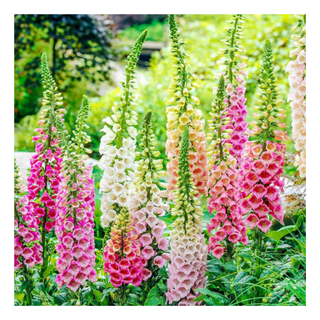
(44, 242)
(231, 46)
(27, 289)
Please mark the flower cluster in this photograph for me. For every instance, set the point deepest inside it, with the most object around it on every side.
(181, 112)
(263, 158)
(118, 145)
(75, 211)
(235, 88)
(27, 250)
(223, 186)
(44, 178)
(146, 205)
(123, 260)
(19, 187)
(297, 94)
(188, 250)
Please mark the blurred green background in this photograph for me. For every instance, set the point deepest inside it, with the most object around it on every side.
(87, 55)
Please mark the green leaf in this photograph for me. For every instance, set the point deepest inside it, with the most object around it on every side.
(302, 244)
(59, 299)
(162, 286)
(155, 297)
(299, 222)
(242, 278)
(98, 295)
(105, 297)
(105, 301)
(245, 255)
(24, 285)
(168, 219)
(277, 235)
(217, 298)
(200, 298)
(208, 300)
(109, 288)
(206, 218)
(215, 267)
(230, 267)
(48, 271)
(19, 296)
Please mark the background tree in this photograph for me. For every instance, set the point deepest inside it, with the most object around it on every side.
(79, 40)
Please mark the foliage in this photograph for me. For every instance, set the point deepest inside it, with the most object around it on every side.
(155, 29)
(71, 40)
(282, 282)
(273, 274)
(203, 58)
(277, 277)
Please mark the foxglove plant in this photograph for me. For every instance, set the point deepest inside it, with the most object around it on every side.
(188, 253)
(45, 165)
(235, 88)
(146, 205)
(263, 158)
(227, 140)
(27, 250)
(122, 256)
(223, 185)
(118, 145)
(181, 112)
(75, 211)
(297, 94)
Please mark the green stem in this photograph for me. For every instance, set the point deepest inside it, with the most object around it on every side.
(27, 289)
(259, 250)
(122, 296)
(44, 242)
(229, 251)
(16, 214)
(266, 132)
(184, 78)
(149, 195)
(220, 143)
(124, 110)
(232, 52)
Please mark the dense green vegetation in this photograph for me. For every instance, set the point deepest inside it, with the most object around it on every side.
(277, 276)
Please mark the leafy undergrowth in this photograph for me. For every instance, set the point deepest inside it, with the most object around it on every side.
(276, 277)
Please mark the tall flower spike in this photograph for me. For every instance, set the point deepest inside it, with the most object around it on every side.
(236, 88)
(122, 256)
(27, 250)
(218, 149)
(188, 250)
(45, 168)
(263, 158)
(182, 112)
(146, 205)
(297, 94)
(223, 182)
(118, 145)
(75, 210)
